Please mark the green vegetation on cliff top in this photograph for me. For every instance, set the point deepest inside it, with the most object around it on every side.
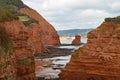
(6, 15)
(9, 10)
(113, 20)
(12, 3)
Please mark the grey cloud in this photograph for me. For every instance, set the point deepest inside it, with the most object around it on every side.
(68, 14)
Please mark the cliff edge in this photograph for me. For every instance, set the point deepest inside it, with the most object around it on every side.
(49, 35)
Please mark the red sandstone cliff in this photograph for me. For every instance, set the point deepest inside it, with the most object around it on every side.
(19, 64)
(49, 35)
(35, 38)
(99, 59)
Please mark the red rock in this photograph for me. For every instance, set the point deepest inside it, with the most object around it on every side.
(23, 67)
(35, 38)
(39, 65)
(49, 35)
(19, 63)
(77, 39)
(99, 58)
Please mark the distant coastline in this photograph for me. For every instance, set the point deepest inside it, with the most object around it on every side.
(73, 32)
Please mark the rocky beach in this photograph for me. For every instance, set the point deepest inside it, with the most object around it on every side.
(50, 64)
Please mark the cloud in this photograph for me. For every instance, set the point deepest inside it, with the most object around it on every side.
(116, 7)
(71, 14)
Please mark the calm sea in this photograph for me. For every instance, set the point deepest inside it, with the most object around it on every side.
(69, 41)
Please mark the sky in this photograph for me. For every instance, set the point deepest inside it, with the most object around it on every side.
(75, 14)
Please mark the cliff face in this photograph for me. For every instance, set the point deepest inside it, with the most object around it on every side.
(21, 64)
(35, 38)
(99, 58)
(7, 65)
(27, 34)
(16, 9)
(49, 35)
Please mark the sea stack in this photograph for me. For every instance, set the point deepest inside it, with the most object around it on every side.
(77, 40)
(99, 58)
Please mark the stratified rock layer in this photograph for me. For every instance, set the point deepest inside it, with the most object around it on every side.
(49, 35)
(77, 40)
(18, 63)
(99, 59)
(21, 64)
(35, 39)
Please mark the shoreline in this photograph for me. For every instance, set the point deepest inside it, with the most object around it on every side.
(56, 51)
(44, 65)
(67, 44)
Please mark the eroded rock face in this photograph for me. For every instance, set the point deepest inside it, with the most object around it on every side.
(49, 35)
(77, 40)
(18, 63)
(7, 66)
(22, 50)
(99, 59)
(35, 38)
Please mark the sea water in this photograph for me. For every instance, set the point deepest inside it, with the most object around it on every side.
(69, 41)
